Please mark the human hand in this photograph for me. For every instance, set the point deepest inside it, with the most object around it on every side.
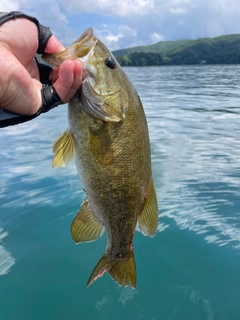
(20, 86)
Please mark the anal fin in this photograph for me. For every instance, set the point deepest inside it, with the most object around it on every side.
(148, 219)
(63, 149)
(85, 227)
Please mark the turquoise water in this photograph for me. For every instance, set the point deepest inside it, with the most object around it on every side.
(190, 270)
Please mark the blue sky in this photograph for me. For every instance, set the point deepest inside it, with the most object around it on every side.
(127, 23)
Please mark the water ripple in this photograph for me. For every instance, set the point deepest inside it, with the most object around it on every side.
(6, 259)
(194, 115)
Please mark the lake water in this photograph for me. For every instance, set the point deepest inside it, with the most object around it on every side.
(190, 270)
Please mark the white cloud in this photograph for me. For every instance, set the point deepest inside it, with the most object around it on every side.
(48, 12)
(120, 8)
(156, 37)
(113, 39)
(178, 10)
(117, 40)
(138, 22)
(179, 2)
(6, 5)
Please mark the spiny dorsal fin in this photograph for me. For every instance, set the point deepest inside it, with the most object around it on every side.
(85, 226)
(148, 219)
(122, 270)
(63, 150)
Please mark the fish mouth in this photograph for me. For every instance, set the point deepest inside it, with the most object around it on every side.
(85, 44)
(79, 49)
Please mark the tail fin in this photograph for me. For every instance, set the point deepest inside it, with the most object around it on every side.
(122, 270)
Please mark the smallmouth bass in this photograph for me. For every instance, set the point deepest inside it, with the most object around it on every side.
(108, 137)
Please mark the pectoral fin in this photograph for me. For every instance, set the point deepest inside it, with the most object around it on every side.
(63, 150)
(148, 219)
(85, 226)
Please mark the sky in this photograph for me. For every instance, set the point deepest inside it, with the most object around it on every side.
(128, 23)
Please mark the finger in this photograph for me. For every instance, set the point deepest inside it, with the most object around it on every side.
(70, 79)
(33, 69)
(54, 75)
(53, 45)
(19, 93)
(77, 82)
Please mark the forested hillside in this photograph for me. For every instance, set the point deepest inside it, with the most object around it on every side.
(219, 50)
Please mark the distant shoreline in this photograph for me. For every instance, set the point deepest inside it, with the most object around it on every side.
(186, 65)
(204, 51)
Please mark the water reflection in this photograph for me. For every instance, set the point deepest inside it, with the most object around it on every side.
(6, 259)
(193, 115)
(201, 306)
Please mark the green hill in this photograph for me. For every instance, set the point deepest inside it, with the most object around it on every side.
(159, 47)
(219, 50)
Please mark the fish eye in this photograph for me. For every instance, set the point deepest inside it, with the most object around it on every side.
(110, 62)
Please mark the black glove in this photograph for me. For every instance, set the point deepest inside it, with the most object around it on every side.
(50, 98)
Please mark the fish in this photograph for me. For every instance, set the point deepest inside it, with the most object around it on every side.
(108, 138)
